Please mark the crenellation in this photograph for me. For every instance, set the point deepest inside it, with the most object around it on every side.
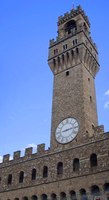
(6, 158)
(16, 155)
(41, 148)
(28, 151)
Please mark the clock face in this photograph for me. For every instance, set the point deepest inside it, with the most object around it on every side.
(67, 130)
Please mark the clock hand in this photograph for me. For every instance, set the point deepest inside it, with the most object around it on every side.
(67, 129)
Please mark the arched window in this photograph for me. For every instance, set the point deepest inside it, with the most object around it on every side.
(53, 196)
(33, 176)
(93, 160)
(73, 195)
(25, 198)
(106, 187)
(45, 171)
(44, 197)
(83, 194)
(34, 197)
(21, 178)
(69, 26)
(16, 199)
(9, 181)
(76, 165)
(60, 168)
(63, 196)
(95, 189)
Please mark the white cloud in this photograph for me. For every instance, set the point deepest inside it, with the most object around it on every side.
(106, 105)
(107, 92)
(1, 159)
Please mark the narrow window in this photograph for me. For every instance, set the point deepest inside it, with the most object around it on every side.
(73, 195)
(0, 180)
(77, 50)
(90, 99)
(63, 196)
(76, 165)
(45, 171)
(64, 46)
(9, 179)
(95, 189)
(34, 197)
(60, 168)
(25, 198)
(67, 73)
(83, 194)
(21, 177)
(106, 187)
(33, 174)
(53, 196)
(93, 160)
(44, 197)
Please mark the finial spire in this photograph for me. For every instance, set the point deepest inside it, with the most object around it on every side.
(73, 5)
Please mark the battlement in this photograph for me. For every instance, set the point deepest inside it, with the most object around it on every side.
(42, 151)
(68, 15)
(54, 42)
(28, 154)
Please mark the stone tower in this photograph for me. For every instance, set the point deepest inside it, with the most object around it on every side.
(73, 59)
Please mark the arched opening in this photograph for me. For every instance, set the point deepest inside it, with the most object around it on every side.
(34, 197)
(21, 178)
(53, 196)
(60, 168)
(83, 194)
(44, 197)
(70, 26)
(25, 198)
(45, 171)
(16, 199)
(33, 176)
(73, 195)
(106, 187)
(93, 160)
(63, 196)
(76, 165)
(9, 181)
(95, 190)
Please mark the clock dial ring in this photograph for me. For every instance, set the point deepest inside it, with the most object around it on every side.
(67, 130)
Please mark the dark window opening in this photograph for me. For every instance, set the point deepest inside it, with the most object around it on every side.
(25, 198)
(73, 195)
(44, 197)
(95, 189)
(77, 50)
(34, 197)
(63, 196)
(90, 99)
(9, 179)
(53, 197)
(93, 160)
(65, 47)
(106, 187)
(76, 165)
(45, 172)
(60, 168)
(83, 194)
(55, 51)
(70, 26)
(21, 177)
(33, 174)
(67, 73)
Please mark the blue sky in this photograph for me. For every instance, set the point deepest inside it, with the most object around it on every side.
(25, 79)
